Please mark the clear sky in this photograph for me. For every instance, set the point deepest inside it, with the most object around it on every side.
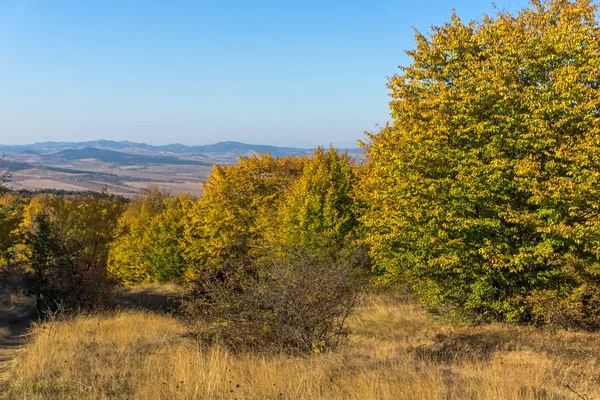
(282, 72)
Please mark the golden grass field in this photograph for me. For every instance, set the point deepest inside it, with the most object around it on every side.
(395, 352)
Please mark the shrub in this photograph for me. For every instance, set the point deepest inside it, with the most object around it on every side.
(296, 305)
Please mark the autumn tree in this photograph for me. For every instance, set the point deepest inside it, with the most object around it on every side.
(49, 269)
(483, 192)
(11, 217)
(274, 266)
(317, 210)
(237, 206)
(150, 245)
(86, 224)
(67, 245)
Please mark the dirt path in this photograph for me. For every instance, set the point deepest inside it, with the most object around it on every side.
(11, 344)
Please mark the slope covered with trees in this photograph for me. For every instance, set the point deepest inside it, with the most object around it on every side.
(480, 197)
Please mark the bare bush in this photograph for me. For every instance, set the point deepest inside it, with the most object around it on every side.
(293, 305)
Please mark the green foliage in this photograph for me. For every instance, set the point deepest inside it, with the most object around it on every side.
(483, 193)
(11, 238)
(316, 211)
(150, 243)
(67, 242)
(230, 219)
(49, 267)
(11, 216)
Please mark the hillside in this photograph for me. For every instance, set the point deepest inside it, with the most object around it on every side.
(125, 167)
(222, 148)
(122, 158)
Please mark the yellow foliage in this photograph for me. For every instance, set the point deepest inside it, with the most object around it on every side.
(316, 210)
(149, 246)
(237, 206)
(485, 187)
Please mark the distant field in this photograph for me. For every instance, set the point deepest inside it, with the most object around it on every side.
(122, 180)
(123, 168)
(193, 188)
(36, 184)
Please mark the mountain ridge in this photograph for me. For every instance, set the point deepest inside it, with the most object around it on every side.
(223, 147)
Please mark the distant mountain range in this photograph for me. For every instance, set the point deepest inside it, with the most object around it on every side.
(125, 168)
(230, 148)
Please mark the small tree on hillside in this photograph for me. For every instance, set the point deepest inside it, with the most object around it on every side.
(483, 193)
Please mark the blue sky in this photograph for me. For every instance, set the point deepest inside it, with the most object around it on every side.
(297, 73)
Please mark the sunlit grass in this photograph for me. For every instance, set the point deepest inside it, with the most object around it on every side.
(395, 352)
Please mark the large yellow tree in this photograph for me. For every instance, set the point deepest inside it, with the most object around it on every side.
(483, 191)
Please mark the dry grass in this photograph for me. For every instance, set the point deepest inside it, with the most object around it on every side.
(4, 335)
(396, 352)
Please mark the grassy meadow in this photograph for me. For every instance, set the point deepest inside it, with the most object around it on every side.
(395, 351)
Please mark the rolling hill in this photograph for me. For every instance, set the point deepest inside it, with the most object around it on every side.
(228, 148)
(122, 158)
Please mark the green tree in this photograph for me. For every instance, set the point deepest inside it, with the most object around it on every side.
(230, 219)
(317, 210)
(150, 245)
(483, 192)
(11, 238)
(164, 245)
(49, 268)
(11, 216)
(67, 243)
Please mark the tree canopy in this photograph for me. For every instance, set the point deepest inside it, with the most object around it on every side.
(149, 244)
(316, 210)
(237, 206)
(483, 191)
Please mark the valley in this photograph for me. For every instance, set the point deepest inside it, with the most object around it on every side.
(122, 168)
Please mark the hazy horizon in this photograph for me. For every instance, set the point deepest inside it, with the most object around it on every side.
(261, 72)
(349, 144)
